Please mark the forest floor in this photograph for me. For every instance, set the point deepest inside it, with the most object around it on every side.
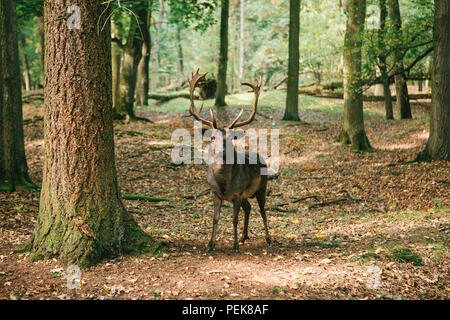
(386, 236)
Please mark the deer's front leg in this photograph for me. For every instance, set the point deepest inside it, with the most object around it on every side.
(236, 208)
(217, 207)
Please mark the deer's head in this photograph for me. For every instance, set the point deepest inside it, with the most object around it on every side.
(226, 133)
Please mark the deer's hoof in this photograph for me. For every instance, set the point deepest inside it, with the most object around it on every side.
(236, 251)
(269, 241)
(242, 240)
(208, 250)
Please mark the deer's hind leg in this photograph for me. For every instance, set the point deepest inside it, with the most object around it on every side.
(236, 208)
(247, 207)
(261, 197)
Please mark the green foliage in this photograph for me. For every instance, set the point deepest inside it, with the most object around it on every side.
(406, 255)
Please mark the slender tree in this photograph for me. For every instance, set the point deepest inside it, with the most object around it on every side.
(81, 216)
(438, 145)
(382, 61)
(401, 87)
(291, 111)
(144, 64)
(353, 129)
(156, 44)
(13, 163)
(241, 39)
(116, 52)
(223, 56)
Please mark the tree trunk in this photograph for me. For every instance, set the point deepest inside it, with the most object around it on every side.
(41, 32)
(155, 55)
(291, 111)
(13, 164)
(353, 130)
(420, 85)
(241, 40)
(116, 58)
(180, 54)
(143, 67)
(438, 145)
(401, 87)
(223, 56)
(382, 58)
(81, 216)
(26, 72)
(132, 53)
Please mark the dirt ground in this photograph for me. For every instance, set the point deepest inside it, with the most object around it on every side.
(386, 236)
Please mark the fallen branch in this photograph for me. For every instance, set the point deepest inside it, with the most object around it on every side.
(140, 197)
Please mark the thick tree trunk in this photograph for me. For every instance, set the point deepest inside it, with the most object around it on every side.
(13, 164)
(223, 56)
(291, 111)
(438, 145)
(400, 81)
(81, 217)
(143, 67)
(116, 52)
(353, 130)
(382, 58)
(155, 55)
(132, 53)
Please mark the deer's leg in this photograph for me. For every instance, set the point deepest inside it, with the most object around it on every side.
(236, 208)
(261, 197)
(217, 207)
(247, 207)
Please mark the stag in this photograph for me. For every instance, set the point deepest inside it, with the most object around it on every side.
(232, 182)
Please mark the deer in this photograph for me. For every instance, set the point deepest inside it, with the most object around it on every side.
(232, 182)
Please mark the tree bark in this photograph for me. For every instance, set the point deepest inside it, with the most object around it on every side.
(81, 217)
(155, 55)
(180, 54)
(42, 39)
(241, 40)
(382, 58)
(291, 111)
(438, 145)
(223, 56)
(143, 67)
(353, 130)
(13, 163)
(116, 59)
(401, 87)
(132, 53)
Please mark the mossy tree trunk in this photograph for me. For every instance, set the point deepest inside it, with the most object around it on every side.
(438, 145)
(382, 58)
(81, 217)
(132, 53)
(143, 67)
(223, 56)
(291, 111)
(13, 163)
(401, 87)
(353, 129)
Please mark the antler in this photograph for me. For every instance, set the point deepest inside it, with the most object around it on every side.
(193, 83)
(256, 89)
